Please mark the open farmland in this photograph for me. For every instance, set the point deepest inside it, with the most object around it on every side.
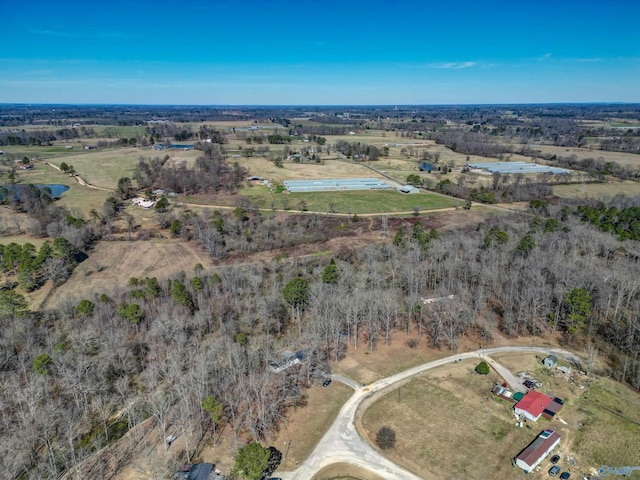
(626, 159)
(357, 201)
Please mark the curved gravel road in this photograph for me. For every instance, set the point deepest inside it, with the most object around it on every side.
(343, 444)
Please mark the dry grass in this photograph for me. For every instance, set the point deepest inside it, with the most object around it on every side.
(306, 425)
(365, 366)
(598, 190)
(111, 264)
(622, 158)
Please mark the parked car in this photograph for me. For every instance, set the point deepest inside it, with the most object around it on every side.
(326, 383)
(555, 459)
(565, 475)
(555, 470)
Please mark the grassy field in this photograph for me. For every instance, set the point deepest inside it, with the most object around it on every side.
(602, 423)
(35, 152)
(78, 199)
(597, 190)
(359, 201)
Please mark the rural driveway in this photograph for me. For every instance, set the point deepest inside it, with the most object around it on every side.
(343, 444)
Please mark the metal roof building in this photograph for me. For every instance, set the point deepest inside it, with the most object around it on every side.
(536, 451)
(338, 184)
(518, 167)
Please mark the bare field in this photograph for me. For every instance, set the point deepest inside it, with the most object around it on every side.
(447, 426)
(111, 264)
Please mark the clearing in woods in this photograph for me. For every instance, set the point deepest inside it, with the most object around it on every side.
(111, 264)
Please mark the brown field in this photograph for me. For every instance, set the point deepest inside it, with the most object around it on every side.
(618, 157)
(598, 190)
(111, 264)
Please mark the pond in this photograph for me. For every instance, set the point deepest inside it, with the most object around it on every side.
(19, 190)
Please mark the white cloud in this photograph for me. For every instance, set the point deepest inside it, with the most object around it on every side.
(544, 57)
(453, 65)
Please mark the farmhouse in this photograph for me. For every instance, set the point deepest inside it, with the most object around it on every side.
(536, 451)
(550, 361)
(532, 405)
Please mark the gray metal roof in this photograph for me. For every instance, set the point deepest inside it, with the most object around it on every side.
(331, 184)
(518, 167)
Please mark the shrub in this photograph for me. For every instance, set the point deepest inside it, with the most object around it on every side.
(386, 438)
(483, 368)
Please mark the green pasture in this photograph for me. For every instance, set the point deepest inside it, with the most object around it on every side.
(357, 201)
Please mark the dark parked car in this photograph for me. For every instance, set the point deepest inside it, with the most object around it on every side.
(326, 383)
(554, 471)
(565, 475)
(555, 459)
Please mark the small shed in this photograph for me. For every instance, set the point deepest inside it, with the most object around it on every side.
(550, 361)
(409, 189)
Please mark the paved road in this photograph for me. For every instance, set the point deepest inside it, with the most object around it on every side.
(343, 444)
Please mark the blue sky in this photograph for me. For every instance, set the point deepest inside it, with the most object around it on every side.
(275, 52)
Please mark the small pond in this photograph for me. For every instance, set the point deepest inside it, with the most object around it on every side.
(20, 189)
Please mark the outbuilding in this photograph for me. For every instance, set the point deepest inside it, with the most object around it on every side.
(550, 361)
(536, 451)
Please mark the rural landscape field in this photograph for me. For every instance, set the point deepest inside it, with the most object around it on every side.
(172, 296)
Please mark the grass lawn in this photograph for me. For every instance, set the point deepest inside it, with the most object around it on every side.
(359, 201)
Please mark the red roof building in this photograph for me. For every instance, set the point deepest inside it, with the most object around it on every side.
(532, 405)
(536, 451)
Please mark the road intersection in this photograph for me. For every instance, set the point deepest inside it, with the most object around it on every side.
(343, 444)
